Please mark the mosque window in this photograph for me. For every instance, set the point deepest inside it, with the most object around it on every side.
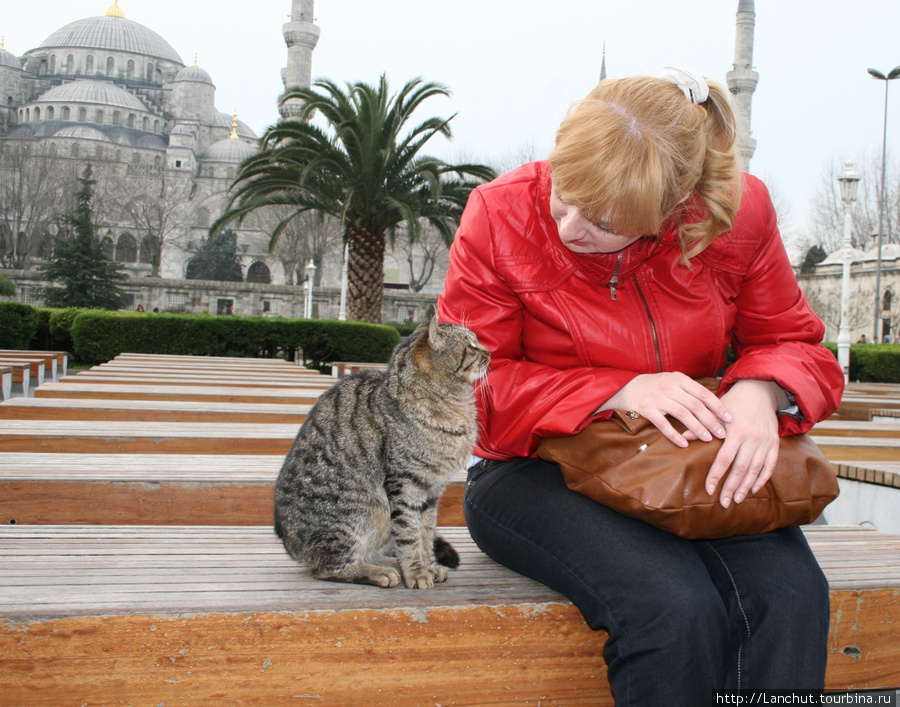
(70, 64)
(131, 120)
(82, 114)
(157, 161)
(37, 113)
(52, 64)
(145, 123)
(27, 115)
(149, 72)
(117, 118)
(66, 113)
(50, 113)
(259, 272)
(89, 64)
(156, 126)
(98, 117)
(126, 249)
(110, 66)
(129, 71)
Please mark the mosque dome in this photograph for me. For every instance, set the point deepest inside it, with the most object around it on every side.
(81, 132)
(112, 32)
(838, 256)
(8, 59)
(84, 91)
(223, 120)
(228, 150)
(194, 73)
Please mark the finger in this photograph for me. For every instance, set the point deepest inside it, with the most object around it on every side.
(768, 470)
(709, 400)
(661, 422)
(720, 466)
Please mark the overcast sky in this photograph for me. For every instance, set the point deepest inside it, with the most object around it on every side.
(514, 66)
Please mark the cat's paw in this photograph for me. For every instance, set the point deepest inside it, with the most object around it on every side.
(425, 577)
(384, 577)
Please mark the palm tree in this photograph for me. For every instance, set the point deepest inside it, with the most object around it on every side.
(360, 168)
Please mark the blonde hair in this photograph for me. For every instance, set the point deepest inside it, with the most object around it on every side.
(635, 148)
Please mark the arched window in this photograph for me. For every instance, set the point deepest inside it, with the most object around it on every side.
(149, 72)
(131, 120)
(66, 113)
(52, 68)
(27, 115)
(82, 114)
(129, 70)
(157, 161)
(37, 113)
(886, 301)
(110, 66)
(145, 123)
(117, 118)
(147, 250)
(50, 113)
(70, 64)
(89, 64)
(156, 126)
(126, 249)
(98, 117)
(259, 272)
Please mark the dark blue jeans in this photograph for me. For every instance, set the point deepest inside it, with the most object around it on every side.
(684, 617)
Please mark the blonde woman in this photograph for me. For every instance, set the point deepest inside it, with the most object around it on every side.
(609, 277)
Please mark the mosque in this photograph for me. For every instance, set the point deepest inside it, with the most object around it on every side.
(112, 91)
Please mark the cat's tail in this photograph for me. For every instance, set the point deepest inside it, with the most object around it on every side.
(445, 554)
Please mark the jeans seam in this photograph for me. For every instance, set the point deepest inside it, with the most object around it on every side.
(740, 604)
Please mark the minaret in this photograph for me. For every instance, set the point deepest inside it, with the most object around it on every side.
(301, 36)
(603, 63)
(743, 79)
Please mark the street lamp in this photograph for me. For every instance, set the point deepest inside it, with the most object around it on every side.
(895, 73)
(849, 180)
(310, 274)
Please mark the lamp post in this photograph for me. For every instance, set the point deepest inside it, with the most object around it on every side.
(342, 314)
(895, 73)
(849, 180)
(310, 274)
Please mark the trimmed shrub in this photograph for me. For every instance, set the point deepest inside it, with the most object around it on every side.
(100, 336)
(7, 287)
(872, 363)
(18, 325)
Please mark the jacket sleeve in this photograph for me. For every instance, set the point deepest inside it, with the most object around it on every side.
(776, 334)
(521, 402)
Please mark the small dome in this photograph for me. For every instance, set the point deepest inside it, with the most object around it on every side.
(112, 33)
(889, 251)
(182, 130)
(223, 120)
(7, 58)
(194, 73)
(838, 257)
(104, 94)
(81, 132)
(228, 150)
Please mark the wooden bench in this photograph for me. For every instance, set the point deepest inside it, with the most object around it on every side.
(24, 371)
(345, 368)
(222, 616)
(6, 381)
(234, 380)
(56, 362)
(150, 411)
(153, 489)
(209, 394)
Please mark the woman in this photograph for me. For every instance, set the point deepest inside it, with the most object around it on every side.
(609, 278)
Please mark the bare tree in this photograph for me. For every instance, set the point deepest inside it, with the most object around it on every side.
(155, 207)
(32, 184)
(311, 235)
(424, 255)
(828, 209)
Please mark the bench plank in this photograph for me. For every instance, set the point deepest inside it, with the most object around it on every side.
(168, 614)
(218, 394)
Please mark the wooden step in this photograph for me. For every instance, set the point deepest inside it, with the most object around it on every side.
(153, 489)
(222, 615)
(150, 411)
(855, 428)
(145, 437)
(239, 380)
(217, 394)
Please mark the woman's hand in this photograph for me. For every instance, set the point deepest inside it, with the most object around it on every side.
(750, 448)
(656, 395)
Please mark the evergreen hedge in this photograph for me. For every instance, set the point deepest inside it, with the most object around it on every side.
(100, 336)
(18, 325)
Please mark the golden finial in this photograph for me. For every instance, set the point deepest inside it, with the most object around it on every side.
(234, 135)
(195, 60)
(2, 44)
(115, 10)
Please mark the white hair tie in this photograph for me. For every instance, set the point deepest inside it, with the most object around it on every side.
(689, 81)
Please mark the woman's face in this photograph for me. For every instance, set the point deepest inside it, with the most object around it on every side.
(582, 236)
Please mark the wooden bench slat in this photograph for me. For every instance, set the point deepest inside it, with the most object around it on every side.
(221, 394)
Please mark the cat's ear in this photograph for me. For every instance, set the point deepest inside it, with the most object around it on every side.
(431, 321)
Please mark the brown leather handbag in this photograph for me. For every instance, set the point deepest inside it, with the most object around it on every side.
(629, 466)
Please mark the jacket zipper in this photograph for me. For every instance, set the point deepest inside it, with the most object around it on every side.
(614, 280)
(653, 331)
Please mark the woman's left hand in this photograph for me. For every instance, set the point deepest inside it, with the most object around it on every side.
(750, 448)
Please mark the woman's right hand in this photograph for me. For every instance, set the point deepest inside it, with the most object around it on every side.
(656, 395)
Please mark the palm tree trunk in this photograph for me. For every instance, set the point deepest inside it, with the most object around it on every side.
(365, 276)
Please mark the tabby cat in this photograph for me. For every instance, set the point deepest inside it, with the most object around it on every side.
(356, 499)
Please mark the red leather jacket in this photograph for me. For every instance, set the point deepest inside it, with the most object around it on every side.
(568, 330)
